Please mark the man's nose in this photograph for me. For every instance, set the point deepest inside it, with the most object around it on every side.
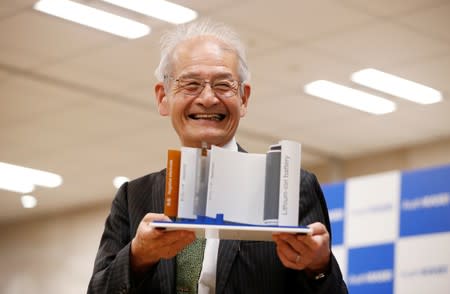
(207, 96)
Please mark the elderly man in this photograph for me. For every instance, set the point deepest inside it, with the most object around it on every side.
(203, 87)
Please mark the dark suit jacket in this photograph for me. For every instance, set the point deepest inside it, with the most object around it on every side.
(242, 266)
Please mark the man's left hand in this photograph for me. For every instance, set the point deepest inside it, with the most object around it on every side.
(309, 252)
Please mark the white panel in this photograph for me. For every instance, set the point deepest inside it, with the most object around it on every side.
(372, 209)
(422, 264)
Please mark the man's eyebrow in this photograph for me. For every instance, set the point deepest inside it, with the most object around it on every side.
(200, 76)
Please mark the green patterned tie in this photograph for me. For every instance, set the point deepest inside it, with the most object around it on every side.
(189, 266)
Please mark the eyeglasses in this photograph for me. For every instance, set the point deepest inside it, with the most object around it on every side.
(222, 88)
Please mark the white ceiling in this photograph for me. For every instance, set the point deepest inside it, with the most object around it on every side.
(79, 102)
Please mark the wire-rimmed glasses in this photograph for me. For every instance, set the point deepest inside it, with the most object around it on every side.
(222, 87)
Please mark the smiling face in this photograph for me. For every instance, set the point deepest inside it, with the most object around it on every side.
(205, 117)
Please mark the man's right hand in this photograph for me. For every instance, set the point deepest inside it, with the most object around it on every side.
(150, 244)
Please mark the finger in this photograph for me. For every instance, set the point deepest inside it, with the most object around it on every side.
(293, 263)
(305, 242)
(169, 243)
(145, 225)
(290, 253)
(303, 248)
(175, 248)
(172, 238)
(291, 248)
(291, 239)
(317, 228)
(319, 236)
(155, 239)
(149, 217)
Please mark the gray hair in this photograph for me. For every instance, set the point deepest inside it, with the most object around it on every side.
(171, 39)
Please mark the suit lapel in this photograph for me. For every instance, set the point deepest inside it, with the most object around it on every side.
(228, 250)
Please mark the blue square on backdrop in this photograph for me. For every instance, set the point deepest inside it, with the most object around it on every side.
(371, 269)
(425, 201)
(335, 198)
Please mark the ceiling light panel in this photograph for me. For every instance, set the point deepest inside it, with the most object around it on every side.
(15, 185)
(396, 86)
(23, 179)
(160, 9)
(349, 97)
(94, 18)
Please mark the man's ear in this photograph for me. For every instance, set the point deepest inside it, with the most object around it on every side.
(244, 99)
(161, 99)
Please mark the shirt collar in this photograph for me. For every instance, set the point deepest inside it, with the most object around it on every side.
(231, 145)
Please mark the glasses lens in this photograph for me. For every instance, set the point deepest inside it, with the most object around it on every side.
(225, 88)
(190, 87)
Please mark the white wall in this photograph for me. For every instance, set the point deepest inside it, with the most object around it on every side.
(52, 255)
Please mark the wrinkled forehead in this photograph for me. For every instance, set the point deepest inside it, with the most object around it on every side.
(204, 54)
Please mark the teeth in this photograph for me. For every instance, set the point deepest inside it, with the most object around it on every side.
(213, 116)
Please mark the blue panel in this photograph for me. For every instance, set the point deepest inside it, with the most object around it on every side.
(425, 199)
(371, 269)
(334, 195)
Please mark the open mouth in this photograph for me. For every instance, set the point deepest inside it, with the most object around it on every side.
(208, 116)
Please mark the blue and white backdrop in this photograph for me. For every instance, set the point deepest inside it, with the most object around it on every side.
(391, 231)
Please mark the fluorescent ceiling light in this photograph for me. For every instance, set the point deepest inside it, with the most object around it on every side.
(28, 201)
(118, 181)
(349, 97)
(160, 9)
(23, 179)
(94, 18)
(396, 86)
(15, 185)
